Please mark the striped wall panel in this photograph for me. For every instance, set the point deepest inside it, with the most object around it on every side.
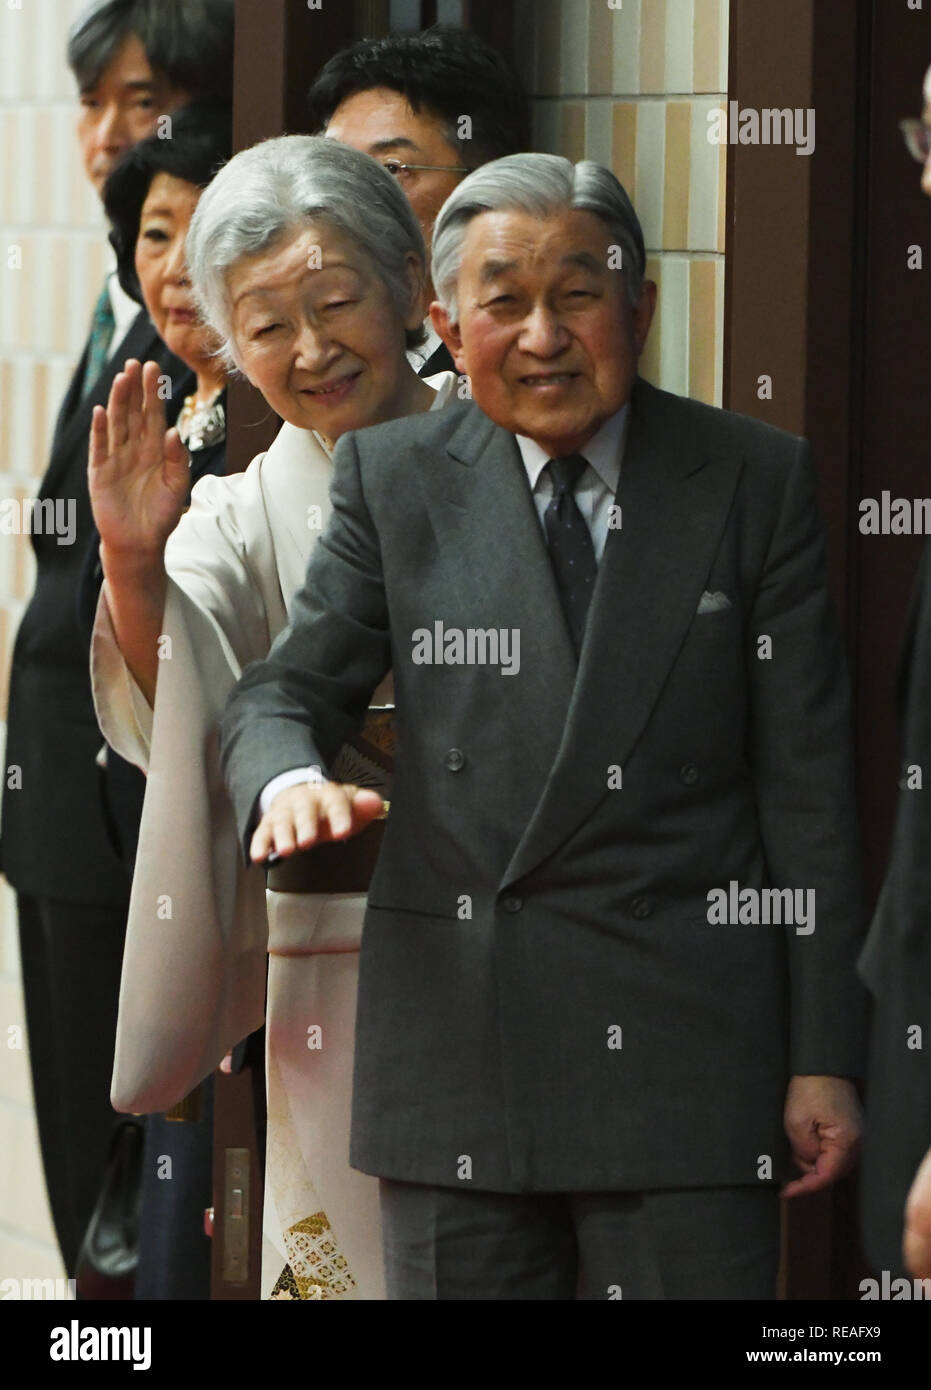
(631, 86)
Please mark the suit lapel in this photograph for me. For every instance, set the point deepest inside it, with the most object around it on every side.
(482, 509)
(675, 499)
(74, 423)
(71, 403)
(440, 360)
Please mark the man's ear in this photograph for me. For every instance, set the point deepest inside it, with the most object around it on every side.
(449, 332)
(416, 283)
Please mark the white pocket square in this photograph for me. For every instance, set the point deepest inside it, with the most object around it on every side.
(713, 602)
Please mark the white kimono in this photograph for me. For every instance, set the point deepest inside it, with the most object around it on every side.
(194, 965)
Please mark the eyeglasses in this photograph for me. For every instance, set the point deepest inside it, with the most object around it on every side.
(917, 137)
(398, 170)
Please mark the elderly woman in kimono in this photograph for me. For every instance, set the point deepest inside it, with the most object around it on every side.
(309, 264)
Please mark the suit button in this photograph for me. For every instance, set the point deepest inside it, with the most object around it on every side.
(512, 904)
(689, 774)
(640, 907)
(455, 759)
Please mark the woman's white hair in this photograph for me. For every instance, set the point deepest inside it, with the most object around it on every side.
(274, 189)
(541, 185)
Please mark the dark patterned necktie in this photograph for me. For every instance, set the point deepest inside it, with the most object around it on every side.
(103, 325)
(570, 544)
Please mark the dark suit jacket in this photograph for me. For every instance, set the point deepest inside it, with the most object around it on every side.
(896, 965)
(54, 838)
(522, 908)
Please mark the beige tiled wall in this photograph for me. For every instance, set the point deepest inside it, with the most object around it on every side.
(50, 217)
(631, 85)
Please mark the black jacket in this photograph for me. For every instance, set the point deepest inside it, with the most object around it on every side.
(54, 839)
(896, 965)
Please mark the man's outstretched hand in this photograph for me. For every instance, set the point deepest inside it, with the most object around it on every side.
(916, 1245)
(311, 813)
(823, 1120)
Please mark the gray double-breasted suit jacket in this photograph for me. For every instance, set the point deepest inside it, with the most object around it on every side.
(543, 1002)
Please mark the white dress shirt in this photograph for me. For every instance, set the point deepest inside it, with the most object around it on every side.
(124, 311)
(595, 490)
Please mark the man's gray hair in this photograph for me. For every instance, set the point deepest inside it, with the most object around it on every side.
(273, 190)
(541, 185)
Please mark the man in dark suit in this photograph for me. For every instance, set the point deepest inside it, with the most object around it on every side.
(133, 60)
(896, 965)
(430, 107)
(895, 1191)
(607, 978)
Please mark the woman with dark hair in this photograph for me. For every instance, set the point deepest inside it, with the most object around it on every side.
(150, 199)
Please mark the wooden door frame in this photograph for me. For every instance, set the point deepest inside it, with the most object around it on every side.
(817, 295)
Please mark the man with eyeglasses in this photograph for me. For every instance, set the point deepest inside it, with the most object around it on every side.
(896, 962)
(430, 107)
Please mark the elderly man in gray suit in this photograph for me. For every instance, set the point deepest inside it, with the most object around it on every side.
(607, 983)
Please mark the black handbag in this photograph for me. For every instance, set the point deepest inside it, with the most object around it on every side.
(109, 1252)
